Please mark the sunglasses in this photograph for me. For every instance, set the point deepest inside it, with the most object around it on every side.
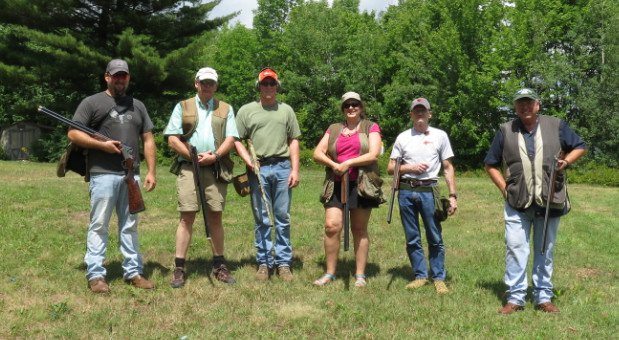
(208, 82)
(351, 105)
(268, 83)
(119, 75)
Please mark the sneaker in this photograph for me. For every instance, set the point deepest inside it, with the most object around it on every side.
(510, 308)
(441, 287)
(284, 273)
(223, 274)
(547, 307)
(178, 277)
(141, 282)
(416, 283)
(98, 286)
(263, 273)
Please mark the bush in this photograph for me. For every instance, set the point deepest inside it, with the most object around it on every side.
(594, 173)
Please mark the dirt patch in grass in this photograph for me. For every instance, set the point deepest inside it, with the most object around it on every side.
(582, 273)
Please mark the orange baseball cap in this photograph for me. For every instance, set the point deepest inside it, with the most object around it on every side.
(267, 73)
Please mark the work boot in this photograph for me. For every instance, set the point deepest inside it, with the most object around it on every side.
(510, 308)
(547, 307)
(263, 273)
(141, 282)
(440, 287)
(416, 283)
(284, 273)
(98, 285)
(178, 278)
(222, 274)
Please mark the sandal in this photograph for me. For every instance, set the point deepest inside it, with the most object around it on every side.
(324, 280)
(360, 280)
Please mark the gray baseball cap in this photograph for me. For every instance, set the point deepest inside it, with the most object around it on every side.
(420, 101)
(117, 65)
(526, 93)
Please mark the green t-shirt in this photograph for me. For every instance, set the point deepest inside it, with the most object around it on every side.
(269, 128)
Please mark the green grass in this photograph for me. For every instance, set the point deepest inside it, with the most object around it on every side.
(43, 290)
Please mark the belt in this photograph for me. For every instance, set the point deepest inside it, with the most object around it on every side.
(271, 160)
(416, 184)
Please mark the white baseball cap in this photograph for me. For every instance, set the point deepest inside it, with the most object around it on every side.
(206, 73)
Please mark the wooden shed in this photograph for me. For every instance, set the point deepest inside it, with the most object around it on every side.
(17, 139)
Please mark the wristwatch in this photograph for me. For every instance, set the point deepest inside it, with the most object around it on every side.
(454, 196)
(216, 155)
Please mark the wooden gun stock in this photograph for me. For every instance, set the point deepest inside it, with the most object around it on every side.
(394, 187)
(346, 211)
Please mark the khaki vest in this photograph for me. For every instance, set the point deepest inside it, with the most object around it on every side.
(371, 186)
(218, 125)
(527, 181)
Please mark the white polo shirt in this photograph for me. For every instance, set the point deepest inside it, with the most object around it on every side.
(415, 147)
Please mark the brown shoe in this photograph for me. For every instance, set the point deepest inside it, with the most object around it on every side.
(285, 273)
(547, 307)
(263, 273)
(223, 274)
(98, 285)
(139, 281)
(510, 308)
(178, 278)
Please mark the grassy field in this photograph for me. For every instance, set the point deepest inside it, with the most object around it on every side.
(43, 290)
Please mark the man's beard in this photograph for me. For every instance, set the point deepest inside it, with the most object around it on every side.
(118, 90)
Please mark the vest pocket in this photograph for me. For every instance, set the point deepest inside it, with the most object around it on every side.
(516, 188)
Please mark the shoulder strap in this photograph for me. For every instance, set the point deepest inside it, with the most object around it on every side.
(189, 117)
(364, 135)
(220, 108)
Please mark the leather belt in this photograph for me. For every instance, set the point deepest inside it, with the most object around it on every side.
(271, 160)
(416, 184)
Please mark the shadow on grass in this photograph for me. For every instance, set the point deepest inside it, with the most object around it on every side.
(497, 287)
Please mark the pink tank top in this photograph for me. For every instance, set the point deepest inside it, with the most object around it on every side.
(347, 147)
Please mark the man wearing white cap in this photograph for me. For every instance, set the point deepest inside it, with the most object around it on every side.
(527, 146)
(209, 125)
(125, 120)
(273, 128)
(423, 150)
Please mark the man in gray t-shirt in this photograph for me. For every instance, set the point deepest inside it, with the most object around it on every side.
(124, 120)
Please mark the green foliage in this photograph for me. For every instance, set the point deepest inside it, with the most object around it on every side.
(466, 56)
(594, 173)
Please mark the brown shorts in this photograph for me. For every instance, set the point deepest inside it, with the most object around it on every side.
(214, 190)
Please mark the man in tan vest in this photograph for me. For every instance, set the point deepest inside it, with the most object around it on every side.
(209, 125)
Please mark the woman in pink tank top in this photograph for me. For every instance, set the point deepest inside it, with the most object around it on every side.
(343, 154)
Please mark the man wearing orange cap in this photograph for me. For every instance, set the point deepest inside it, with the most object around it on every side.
(274, 131)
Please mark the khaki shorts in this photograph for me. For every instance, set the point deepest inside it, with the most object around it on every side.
(214, 191)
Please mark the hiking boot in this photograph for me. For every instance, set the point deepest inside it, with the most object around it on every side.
(510, 308)
(178, 278)
(223, 274)
(284, 273)
(416, 283)
(139, 281)
(263, 273)
(98, 286)
(547, 307)
(441, 287)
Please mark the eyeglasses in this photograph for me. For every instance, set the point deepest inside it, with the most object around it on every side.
(119, 75)
(208, 82)
(351, 105)
(268, 83)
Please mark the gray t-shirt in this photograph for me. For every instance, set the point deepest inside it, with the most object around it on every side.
(123, 119)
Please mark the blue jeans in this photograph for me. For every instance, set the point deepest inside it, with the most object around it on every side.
(109, 191)
(412, 204)
(517, 234)
(278, 195)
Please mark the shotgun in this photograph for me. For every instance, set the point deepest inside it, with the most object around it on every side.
(256, 165)
(551, 194)
(136, 202)
(346, 210)
(195, 167)
(394, 186)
